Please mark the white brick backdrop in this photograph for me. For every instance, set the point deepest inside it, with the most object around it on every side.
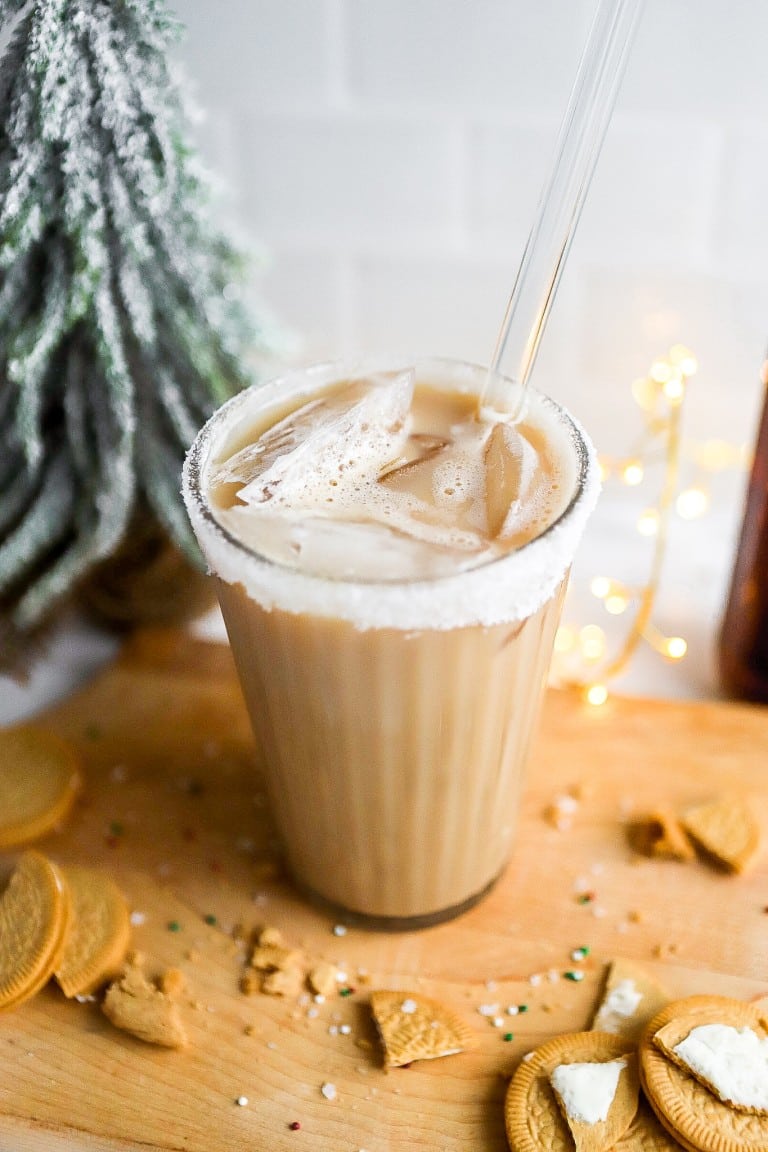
(387, 156)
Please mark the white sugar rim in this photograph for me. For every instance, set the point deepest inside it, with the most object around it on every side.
(503, 590)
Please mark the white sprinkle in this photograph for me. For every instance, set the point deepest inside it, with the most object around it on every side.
(512, 1010)
(137, 919)
(329, 1091)
(498, 1021)
(339, 930)
(333, 1029)
(312, 1013)
(598, 911)
(576, 976)
(345, 1029)
(272, 1046)
(408, 1006)
(488, 1009)
(553, 975)
(578, 954)
(528, 1056)
(341, 977)
(319, 998)
(491, 985)
(535, 979)
(566, 804)
(242, 1101)
(89, 999)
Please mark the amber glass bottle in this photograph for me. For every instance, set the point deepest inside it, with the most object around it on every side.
(743, 648)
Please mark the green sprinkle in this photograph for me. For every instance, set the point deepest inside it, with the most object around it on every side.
(585, 898)
(508, 1036)
(174, 926)
(522, 1007)
(116, 828)
(575, 976)
(210, 919)
(345, 991)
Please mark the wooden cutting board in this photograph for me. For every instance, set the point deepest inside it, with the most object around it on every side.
(173, 807)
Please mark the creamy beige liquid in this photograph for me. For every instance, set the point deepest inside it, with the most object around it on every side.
(394, 754)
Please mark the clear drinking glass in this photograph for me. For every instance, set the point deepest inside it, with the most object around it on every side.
(394, 717)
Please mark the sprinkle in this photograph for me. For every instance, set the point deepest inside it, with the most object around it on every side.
(319, 998)
(513, 1009)
(488, 1009)
(242, 1101)
(339, 930)
(498, 1021)
(408, 1006)
(333, 1029)
(312, 1013)
(295, 1125)
(210, 919)
(116, 828)
(345, 1029)
(173, 926)
(329, 1091)
(137, 919)
(585, 898)
(599, 912)
(580, 953)
(535, 979)
(522, 1007)
(553, 975)
(574, 976)
(508, 1036)
(346, 991)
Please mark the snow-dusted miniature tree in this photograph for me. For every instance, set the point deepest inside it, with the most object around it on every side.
(118, 332)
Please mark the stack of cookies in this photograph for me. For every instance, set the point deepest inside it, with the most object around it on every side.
(647, 1078)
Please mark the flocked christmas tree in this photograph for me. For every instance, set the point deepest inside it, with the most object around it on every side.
(118, 334)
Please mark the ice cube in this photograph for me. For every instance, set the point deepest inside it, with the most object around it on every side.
(361, 426)
(510, 461)
(414, 474)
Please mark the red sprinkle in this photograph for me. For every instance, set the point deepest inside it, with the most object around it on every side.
(111, 841)
(294, 1125)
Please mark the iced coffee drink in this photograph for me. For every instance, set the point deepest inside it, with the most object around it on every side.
(390, 568)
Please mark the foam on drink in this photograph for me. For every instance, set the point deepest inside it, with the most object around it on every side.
(376, 497)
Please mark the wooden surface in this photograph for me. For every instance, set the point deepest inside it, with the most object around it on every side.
(174, 808)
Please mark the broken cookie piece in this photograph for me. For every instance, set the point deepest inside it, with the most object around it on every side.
(138, 1006)
(414, 1027)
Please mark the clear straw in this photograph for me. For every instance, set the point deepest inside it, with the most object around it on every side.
(581, 136)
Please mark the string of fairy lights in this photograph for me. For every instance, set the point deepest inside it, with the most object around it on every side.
(583, 658)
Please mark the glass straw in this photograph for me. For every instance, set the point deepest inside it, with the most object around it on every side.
(581, 135)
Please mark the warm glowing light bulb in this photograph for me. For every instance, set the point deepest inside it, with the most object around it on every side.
(565, 639)
(675, 647)
(692, 503)
(684, 359)
(674, 389)
(592, 642)
(633, 473)
(600, 586)
(645, 392)
(660, 371)
(648, 523)
(615, 604)
(596, 694)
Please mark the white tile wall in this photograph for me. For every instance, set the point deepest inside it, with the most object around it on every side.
(388, 155)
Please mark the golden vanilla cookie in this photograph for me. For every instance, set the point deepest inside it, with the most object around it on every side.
(136, 1005)
(659, 833)
(99, 935)
(39, 779)
(414, 1027)
(646, 1134)
(631, 997)
(689, 1110)
(726, 829)
(536, 1116)
(34, 917)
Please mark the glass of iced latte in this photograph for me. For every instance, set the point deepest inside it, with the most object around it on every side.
(391, 568)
